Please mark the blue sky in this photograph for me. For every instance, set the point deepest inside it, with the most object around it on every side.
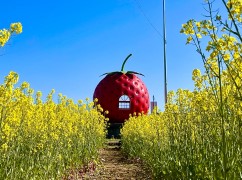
(67, 45)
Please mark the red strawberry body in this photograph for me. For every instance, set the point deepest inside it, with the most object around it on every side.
(116, 84)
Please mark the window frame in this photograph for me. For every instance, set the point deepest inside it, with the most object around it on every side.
(124, 102)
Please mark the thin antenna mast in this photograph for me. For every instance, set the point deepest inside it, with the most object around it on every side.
(164, 44)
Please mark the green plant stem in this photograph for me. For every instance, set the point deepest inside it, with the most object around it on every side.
(122, 68)
(222, 123)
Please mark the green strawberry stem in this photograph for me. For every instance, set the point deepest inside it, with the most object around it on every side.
(122, 68)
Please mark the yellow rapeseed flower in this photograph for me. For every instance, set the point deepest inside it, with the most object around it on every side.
(226, 57)
(16, 28)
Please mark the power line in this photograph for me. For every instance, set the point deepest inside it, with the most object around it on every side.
(162, 37)
(147, 18)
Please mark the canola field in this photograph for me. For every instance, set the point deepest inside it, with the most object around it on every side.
(198, 136)
(45, 140)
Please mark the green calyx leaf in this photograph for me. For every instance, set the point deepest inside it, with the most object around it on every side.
(133, 72)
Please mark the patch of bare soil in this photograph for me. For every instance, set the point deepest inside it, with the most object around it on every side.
(115, 166)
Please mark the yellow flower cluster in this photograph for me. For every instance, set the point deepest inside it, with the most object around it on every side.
(187, 140)
(6, 33)
(198, 136)
(4, 36)
(43, 140)
(142, 131)
(16, 28)
(235, 8)
(223, 47)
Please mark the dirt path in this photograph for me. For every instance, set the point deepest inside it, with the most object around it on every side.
(115, 166)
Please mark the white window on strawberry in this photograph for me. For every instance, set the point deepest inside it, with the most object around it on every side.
(124, 102)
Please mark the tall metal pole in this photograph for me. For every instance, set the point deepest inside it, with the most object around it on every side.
(164, 44)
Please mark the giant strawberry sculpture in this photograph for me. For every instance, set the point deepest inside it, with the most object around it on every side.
(122, 93)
